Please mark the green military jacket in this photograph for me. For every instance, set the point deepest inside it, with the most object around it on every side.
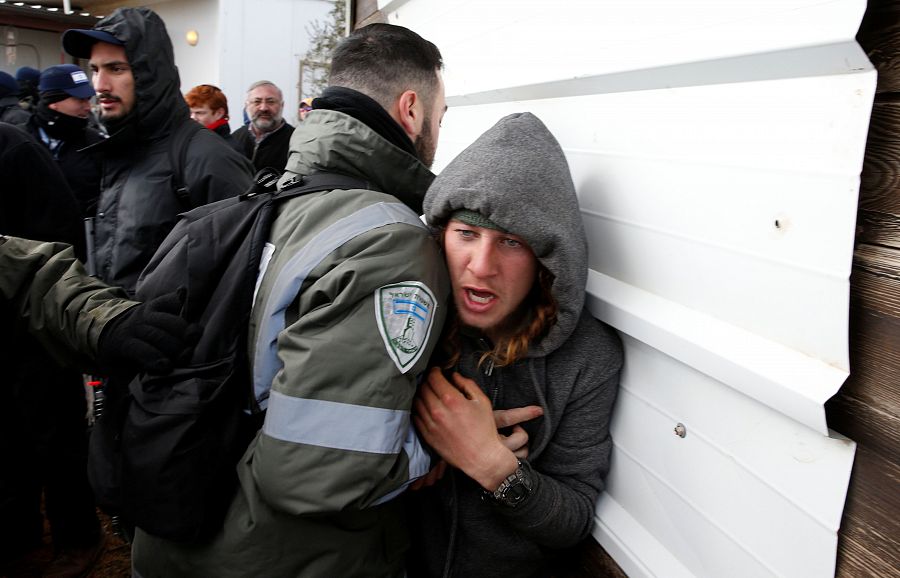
(46, 291)
(350, 304)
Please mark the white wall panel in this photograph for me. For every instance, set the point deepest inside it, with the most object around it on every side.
(265, 39)
(716, 147)
(501, 43)
(193, 61)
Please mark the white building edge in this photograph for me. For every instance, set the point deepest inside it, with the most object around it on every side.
(237, 41)
(716, 147)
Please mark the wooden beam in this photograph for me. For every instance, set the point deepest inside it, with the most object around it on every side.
(867, 408)
(37, 20)
(879, 35)
(587, 560)
(366, 12)
(880, 184)
(870, 530)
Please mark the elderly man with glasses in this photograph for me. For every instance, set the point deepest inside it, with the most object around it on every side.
(265, 140)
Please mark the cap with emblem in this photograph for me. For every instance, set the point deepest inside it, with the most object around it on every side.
(66, 78)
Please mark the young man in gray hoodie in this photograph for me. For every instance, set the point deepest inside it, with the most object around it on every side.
(519, 340)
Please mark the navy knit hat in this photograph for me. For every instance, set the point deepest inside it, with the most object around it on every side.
(8, 85)
(28, 73)
(67, 78)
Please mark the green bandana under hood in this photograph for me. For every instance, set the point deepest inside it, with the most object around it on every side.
(516, 175)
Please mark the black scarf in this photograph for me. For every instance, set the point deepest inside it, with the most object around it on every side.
(368, 112)
(58, 125)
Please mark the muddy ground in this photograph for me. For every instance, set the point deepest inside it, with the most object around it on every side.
(114, 562)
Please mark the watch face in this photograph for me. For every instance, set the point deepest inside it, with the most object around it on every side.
(516, 493)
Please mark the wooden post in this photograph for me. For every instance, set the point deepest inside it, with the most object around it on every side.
(867, 409)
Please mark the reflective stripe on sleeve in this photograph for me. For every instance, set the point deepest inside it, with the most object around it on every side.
(331, 424)
(266, 363)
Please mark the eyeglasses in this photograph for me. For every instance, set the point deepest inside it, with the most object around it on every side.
(268, 101)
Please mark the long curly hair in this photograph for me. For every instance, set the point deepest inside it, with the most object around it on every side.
(536, 315)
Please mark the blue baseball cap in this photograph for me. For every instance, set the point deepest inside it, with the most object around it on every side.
(67, 78)
(79, 42)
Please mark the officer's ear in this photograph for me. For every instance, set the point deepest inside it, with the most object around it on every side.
(409, 112)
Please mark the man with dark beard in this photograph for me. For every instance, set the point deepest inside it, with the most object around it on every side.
(349, 304)
(60, 122)
(266, 139)
(157, 163)
(144, 188)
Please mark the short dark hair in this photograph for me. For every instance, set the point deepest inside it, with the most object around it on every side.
(383, 60)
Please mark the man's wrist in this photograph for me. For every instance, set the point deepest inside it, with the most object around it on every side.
(497, 470)
(513, 490)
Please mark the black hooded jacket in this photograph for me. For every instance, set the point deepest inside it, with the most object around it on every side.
(138, 205)
(11, 112)
(81, 169)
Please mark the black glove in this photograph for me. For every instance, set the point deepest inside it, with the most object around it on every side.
(150, 337)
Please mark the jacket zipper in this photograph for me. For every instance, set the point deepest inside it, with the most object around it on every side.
(488, 370)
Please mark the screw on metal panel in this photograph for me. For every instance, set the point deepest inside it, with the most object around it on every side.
(680, 430)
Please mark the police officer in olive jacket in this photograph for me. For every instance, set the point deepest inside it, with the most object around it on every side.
(82, 321)
(348, 309)
(141, 106)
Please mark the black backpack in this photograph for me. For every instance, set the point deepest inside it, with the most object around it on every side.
(166, 448)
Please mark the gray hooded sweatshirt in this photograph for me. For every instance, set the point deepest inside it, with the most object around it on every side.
(516, 175)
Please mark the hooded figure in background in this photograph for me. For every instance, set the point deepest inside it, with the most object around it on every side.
(520, 341)
(156, 164)
(11, 112)
(28, 79)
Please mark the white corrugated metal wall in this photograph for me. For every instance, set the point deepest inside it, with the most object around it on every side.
(716, 146)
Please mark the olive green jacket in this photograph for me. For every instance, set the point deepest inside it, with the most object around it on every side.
(46, 291)
(350, 304)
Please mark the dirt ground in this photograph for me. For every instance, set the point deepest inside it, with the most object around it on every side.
(114, 562)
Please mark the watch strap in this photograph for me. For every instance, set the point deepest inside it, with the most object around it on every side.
(513, 490)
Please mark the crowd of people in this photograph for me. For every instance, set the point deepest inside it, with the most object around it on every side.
(436, 397)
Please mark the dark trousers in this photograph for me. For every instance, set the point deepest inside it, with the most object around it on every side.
(43, 444)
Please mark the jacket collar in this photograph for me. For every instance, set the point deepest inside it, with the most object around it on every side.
(333, 141)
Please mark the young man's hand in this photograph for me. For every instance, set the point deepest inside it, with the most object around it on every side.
(457, 420)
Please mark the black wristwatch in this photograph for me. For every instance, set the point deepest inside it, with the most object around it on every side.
(513, 490)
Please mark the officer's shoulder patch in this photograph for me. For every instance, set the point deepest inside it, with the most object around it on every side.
(405, 315)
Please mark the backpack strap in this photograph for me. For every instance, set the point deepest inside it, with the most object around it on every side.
(181, 140)
(321, 181)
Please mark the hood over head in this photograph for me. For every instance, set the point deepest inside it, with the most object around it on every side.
(159, 105)
(516, 176)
